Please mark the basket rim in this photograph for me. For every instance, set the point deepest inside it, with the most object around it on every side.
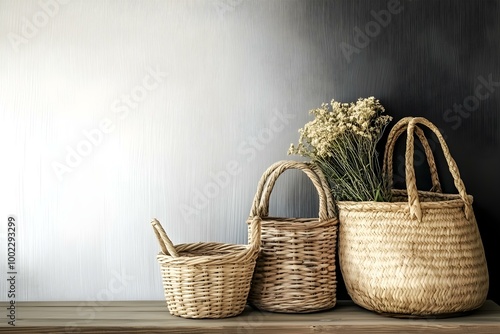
(297, 221)
(443, 200)
(235, 253)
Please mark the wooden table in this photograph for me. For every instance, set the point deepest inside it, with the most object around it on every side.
(153, 317)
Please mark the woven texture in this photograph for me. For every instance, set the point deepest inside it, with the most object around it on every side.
(207, 279)
(295, 271)
(421, 254)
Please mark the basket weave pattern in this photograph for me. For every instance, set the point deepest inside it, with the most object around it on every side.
(422, 253)
(295, 271)
(207, 279)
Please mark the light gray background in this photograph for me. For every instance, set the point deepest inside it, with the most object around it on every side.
(229, 69)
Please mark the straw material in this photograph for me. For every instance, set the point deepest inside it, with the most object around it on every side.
(207, 279)
(295, 271)
(420, 255)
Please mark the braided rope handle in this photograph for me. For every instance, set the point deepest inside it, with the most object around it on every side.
(397, 130)
(260, 205)
(411, 185)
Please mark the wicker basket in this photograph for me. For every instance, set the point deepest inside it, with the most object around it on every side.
(207, 280)
(295, 271)
(419, 255)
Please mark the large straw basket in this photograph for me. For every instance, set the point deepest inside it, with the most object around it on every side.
(295, 271)
(421, 254)
(207, 279)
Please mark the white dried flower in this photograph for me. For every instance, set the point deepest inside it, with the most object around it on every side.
(341, 138)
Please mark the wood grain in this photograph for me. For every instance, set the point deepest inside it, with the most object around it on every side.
(153, 317)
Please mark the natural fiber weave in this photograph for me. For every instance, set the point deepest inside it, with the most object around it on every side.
(419, 255)
(295, 271)
(207, 279)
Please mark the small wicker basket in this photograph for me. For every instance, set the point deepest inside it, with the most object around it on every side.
(207, 279)
(295, 271)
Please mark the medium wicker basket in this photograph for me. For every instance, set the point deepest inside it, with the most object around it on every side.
(207, 279)
(421, 254)
(295, 271)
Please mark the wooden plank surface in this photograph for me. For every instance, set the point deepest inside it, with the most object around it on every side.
(153, 317)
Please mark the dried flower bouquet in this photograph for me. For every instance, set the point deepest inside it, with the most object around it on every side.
(342, 140)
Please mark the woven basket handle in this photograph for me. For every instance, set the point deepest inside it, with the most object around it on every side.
(166, 245)
(260, 205)
(397, 130)
(413, 200)
(254, 233)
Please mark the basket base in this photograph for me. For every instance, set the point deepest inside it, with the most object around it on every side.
(291, 310)
(429, 316)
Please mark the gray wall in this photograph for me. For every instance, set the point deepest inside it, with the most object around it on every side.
(175, 108)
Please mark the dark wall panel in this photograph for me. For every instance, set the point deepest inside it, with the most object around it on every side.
(436, 59)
